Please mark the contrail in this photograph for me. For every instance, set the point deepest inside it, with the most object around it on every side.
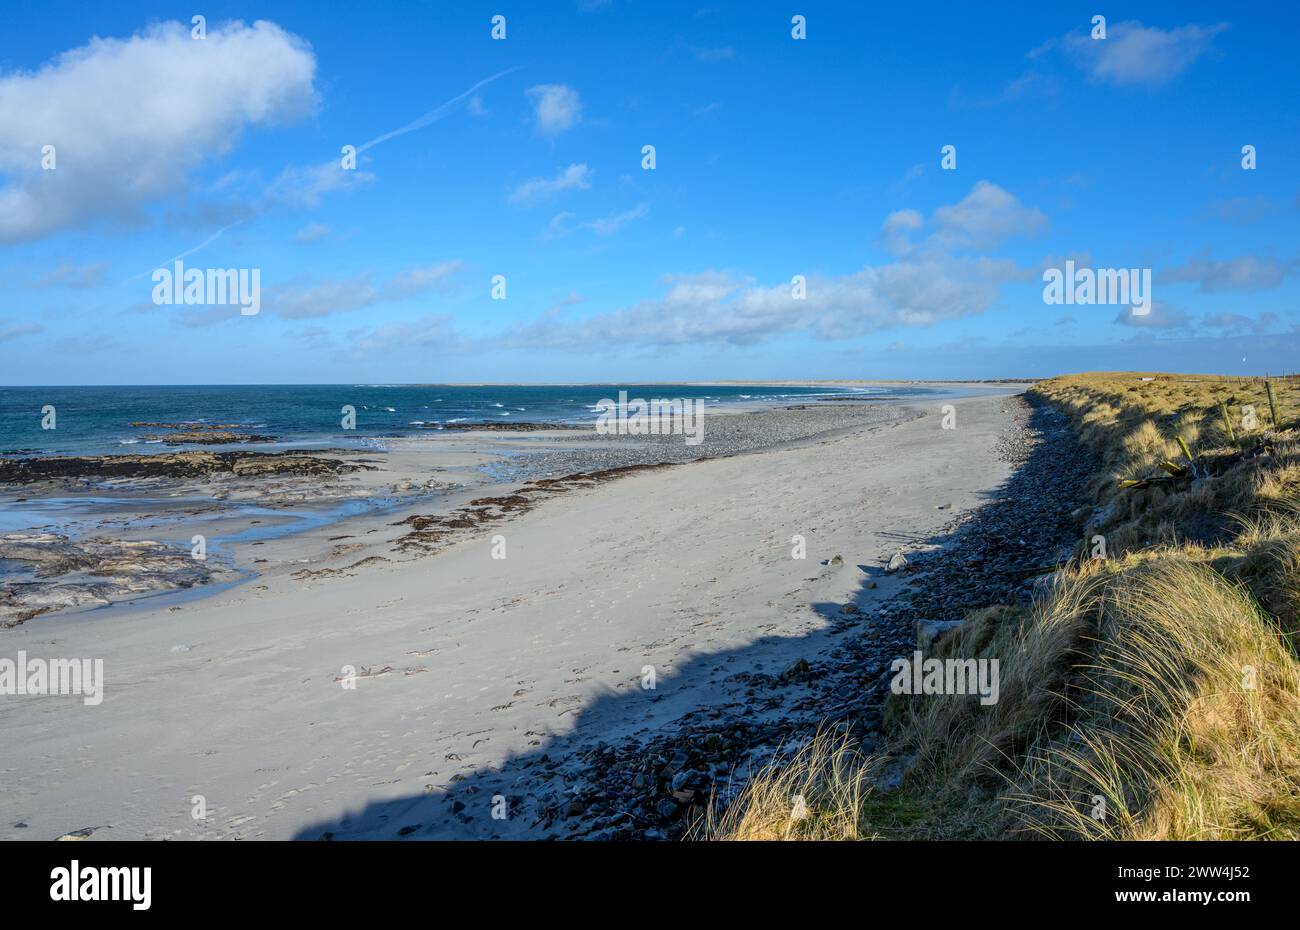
(435, 114)
(427, 119)
(212, 238)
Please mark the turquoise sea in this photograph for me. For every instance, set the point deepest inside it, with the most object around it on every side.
(98, 420)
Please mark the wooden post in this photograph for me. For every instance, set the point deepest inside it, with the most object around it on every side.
(1227, 422)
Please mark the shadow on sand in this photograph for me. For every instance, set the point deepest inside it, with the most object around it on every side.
(613, 774)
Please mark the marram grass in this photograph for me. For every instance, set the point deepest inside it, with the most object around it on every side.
(1151, 695)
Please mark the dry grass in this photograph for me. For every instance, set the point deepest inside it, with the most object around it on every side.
(1190, 724)
(817, 792)
(1152, 695)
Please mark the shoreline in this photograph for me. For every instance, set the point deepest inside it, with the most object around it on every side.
(464, 663)
(225, 495)
(297, 423)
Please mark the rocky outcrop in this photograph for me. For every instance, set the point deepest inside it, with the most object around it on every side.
(168, 465)
(212, 438)
(62, 573)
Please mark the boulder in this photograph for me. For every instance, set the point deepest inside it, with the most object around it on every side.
(929, 631)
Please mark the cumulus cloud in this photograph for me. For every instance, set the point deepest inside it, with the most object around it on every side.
(898, 228)
(1134, 54)
(985, 217)
(535, 190)
(556, 107)
(721, 307)
(927, 283)
(130, 119)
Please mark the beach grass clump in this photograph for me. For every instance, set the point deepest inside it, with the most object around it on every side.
(816, 791)
(1150, 694)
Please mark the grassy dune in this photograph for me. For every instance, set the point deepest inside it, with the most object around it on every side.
(1150, 694)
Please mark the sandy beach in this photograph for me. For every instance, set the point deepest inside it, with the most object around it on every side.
(378, 695)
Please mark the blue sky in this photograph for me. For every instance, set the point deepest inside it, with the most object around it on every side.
(774, 158)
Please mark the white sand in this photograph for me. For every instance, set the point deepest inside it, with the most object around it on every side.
(686, 569)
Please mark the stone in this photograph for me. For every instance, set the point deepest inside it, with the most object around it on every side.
(929, 631)
(798, 669)
(897, 562)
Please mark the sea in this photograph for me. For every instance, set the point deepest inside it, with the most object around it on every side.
(98, 420)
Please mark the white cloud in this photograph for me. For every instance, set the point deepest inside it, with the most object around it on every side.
(436, 331)
(1162, 316)
(1135, 54)
(342, 295)
(560, 225)
(924, 285)
(305, 185)
(1243, 273)
(898, 227)
(985, 217)
(1236, 323)
(22, 329)
(312, 232)
(1242, 211)
(132, 118)
(611, 224)
(74, 276)
(556, 107)
(726, 53)
(534, 190)
(564, 223)
(721, 307)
